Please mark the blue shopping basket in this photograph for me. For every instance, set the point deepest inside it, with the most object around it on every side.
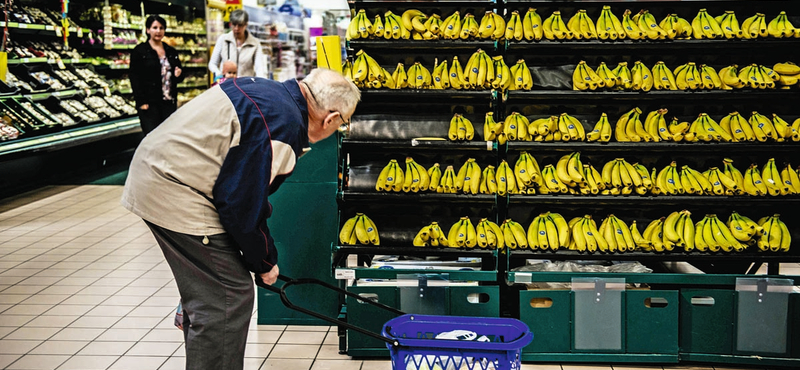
(418, 348)
(412, 341)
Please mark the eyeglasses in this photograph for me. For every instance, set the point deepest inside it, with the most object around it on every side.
(345, 126)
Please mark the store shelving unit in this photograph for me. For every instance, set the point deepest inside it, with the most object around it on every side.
(684, 330)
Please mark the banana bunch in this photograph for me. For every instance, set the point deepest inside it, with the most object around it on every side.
(584, 235)
(758, 77)
(641, 77)
(789, 176)
(460, 128)
(621, 177)
(569, 169)
(677, 230)
(776, 236)
(359, 229)
(365, 72)
(729, 25)
(489, 235)
(555, 29)
(631, 27)
(691, 77)
(594, 180)
(419, 77)
(729, 170)
(668, 180)
(488, 183)
(624, 76)
(648, 25)
(514, 29)
(513, 234)
(691, 181)
(774, 181)
(462, 234)
(617, 235)
(492, 26)
(503, 79)
(789, 73)
(431, 235)
(506, 180)
(738, 127)
(705, 128)
(441, 76)
(548, 231)
(755, 27)
(552, 183)
(468, 179)
(743, 228)
(704, 26)
(360, 27)
(456, 77)
(393, 178)
(522, 76)
(479, 71)
(655, 125)
(601, 131)
(469, 27)
(515, 127)
(763, 128)
(585, 78)
(532, 26)
(781, 27)
(711, 234)
(677, 27)
(527, 174)
(630, 128)
(399, 76)
(721, 184)
(609, 26)
(753, 183)
(450, 27)
(581, 26)
(663, 78)
(493, 130)
(447, 182)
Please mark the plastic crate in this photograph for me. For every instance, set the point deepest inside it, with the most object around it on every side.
(706, 321)
(652, 321)
(547, 313)
(419, 349)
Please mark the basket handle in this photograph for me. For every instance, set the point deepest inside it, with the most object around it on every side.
(286, 302)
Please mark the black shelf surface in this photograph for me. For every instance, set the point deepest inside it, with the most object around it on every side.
(652, 95)
(349, 145)
(395, 197)
(675, 255)
(670, 147)
(642, 200)
(412, 251)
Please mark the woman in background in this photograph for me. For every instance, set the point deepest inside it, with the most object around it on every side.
(240, 47)
(155, 74)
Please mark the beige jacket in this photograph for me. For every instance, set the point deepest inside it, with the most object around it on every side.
(249, 58)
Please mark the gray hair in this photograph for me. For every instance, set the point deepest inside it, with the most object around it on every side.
(332, 91)
(239, 17)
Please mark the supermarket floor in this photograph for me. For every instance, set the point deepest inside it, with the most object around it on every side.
(83, 285)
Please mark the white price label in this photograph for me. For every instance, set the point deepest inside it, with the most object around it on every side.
(23, 25)
(61, 63)
(345, 274)
(80, 32)
(59, 32)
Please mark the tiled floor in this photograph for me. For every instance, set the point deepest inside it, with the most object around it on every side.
(84, 286)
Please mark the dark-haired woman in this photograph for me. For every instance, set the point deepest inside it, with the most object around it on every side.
(155, 74)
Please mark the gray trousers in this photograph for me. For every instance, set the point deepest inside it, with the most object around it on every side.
(217, 296)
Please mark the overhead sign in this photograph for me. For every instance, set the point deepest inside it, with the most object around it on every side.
(228, 6)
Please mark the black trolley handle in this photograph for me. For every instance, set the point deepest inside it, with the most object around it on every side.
(285, 300)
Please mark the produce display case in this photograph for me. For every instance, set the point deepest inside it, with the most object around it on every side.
(653, 306)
